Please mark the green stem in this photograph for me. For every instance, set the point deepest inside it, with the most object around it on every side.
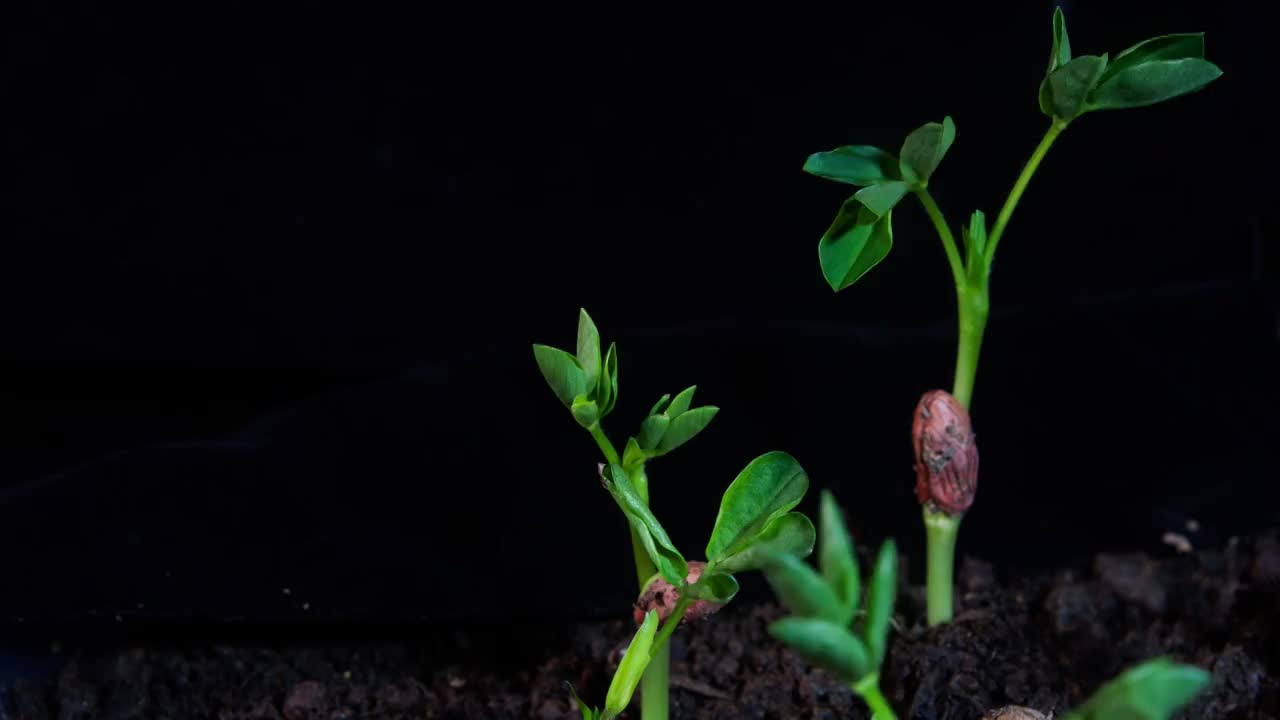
(972, 302)
(997, 230)
(944, 232)
(606, 447)
(869, 688)
(940, 532)
(654, 699)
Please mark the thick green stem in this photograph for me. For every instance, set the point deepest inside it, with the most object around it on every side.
(606, 447)
(869, 688)
(973, 302)
(654, 700)
(940, 533)
(997, 230)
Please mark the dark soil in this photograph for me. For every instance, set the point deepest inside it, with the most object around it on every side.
(1043, 642)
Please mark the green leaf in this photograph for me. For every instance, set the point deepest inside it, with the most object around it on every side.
(680, 405)
(975, 243)
(587, 712)
(1061, 53)
(1070, 85)
(656, 543)
(825, 645)
(801, 589)
(632, 667)
(658, 406)
(880, 596)
(837, 560)
(651, 430)
(588, 349)
(856, 241)
(633, 455)
(562, 373)
(1178, 46)
(716, 587)
(853, 164)
(683, 428)
(791, 533)
(1152, 82)
(585, 411)
(1153, 690)
(924, 149)
(607, 390)
(881, 198)
(769, 486)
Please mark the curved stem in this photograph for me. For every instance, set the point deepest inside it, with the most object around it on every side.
(944, 232)
(606, 447)
(664, 634)
(997, 230)
(869, 688)
(940, 534)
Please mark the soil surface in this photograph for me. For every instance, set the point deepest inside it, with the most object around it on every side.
(1044, 641)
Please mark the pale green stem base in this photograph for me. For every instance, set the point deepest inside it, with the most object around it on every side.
(940, 532)
(869, 688)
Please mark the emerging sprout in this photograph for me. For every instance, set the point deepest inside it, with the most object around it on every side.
(1153, 690)
(627, 676)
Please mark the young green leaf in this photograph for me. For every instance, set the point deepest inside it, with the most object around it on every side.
(607, 393)
(588, 349)
(656, 543)
(826, 645)
(801, 589)
(924, 149)
(633, 455)
(658, 406)
(1061, 53)
(585, 411)
(882, 197)
(792, 534)
(632, 667)
(685, 426)
(588, 713)
(856, 241)
(1152, 82)
(680, 405)
(880, 596)
(717, 587)
(853, 164)
(975, 244)
(1153, 690)
(1178, 46)
(562, 373)
(652, 429)
(837, 560)
(770, 485)
(1070, 85)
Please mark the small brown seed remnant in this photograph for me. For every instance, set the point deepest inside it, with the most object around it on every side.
(1015, 712)
(946, 454)
(660, 595)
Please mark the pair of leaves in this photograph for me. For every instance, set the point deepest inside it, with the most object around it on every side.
(634, 662)
(657, 544)
(824, 603)
(668, 426)
(586, 383)
(861, 235)
(1153, 690)
(1150, 72)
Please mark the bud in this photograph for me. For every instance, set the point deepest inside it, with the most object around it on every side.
(946, 454)
(660, 595)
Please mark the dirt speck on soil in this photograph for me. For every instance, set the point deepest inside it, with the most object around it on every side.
(1042, 642)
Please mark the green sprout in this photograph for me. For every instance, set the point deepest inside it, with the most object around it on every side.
(623, 686)
(1152, 690)
(861, 235)
(755, 521)
(824, 604)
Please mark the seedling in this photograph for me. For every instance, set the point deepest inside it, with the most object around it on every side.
(755, 520)
(861, 235)
(626, 677)
(1152, 690)
(824, 604)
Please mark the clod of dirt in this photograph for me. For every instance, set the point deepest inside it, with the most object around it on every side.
(1134, 577)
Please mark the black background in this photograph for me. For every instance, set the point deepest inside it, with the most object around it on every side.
(271, 281)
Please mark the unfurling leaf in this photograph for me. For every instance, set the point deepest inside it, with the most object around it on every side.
(856, 241)
(588, 713)
(607, 393)
(633, 456)
(924, 149)
(652, 429)
(562, 373)
(659, 406)
(880, 596)
(1069, 86)
(1178, 46)
(854, 164)
(586, 412)
(632, 667)
(791, 534)
(1061, 53)
(680, 405)
(1152, 82)
(588, 349)
(975, 244)
(837, 560)
(1153, 690)
(718, 587)
(801, 589)
(882, 198)
(685, 426)
(769, 486)
(656, 543)
(825, 645)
